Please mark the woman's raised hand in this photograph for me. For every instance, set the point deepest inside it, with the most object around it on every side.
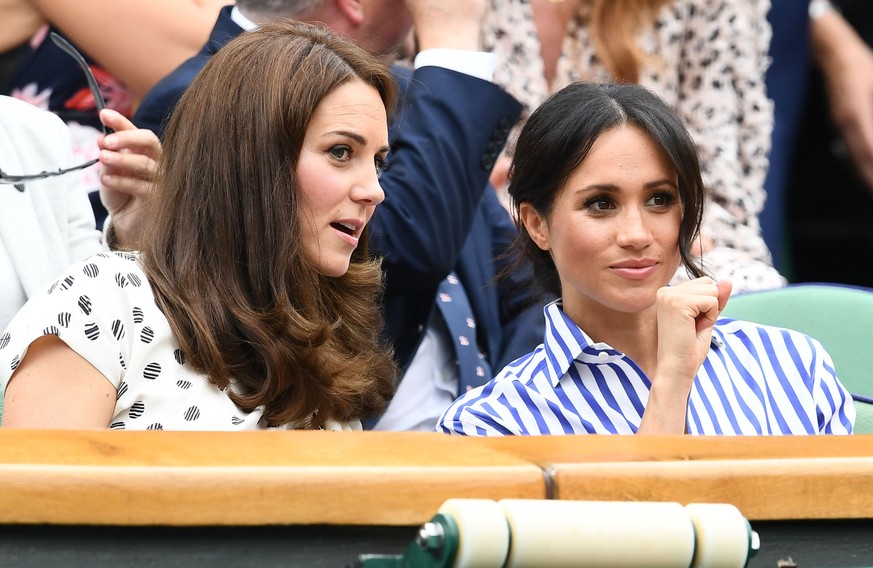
(686, 315)
(128, 159)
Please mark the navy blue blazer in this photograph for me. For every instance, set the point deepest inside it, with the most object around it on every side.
(154, 110)
(440, 213)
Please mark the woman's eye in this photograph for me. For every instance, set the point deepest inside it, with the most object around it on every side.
(662, 199)
(599, 204)
(381, 165)
(340, 152)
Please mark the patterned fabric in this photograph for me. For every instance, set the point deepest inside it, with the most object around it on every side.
(104, 309)
(755, 380)
(455, 308)
(710, 58)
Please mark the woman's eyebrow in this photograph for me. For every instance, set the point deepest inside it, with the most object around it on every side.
(362, 140)
(612, 188)
(665, 181)
(349, 134)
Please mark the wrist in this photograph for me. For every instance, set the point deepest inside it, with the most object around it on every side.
(462, 40)
(669, 389)
(666, 409)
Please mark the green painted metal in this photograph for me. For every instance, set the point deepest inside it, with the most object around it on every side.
(435, 547)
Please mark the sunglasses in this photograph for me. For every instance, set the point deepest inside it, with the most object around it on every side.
(18, 180)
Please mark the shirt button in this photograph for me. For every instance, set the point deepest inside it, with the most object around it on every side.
(603, 355)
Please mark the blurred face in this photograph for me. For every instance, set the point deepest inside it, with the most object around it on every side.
(614, 230)
(386, 26)
(338, 174)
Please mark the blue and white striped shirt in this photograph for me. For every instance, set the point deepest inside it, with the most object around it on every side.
(755, 380)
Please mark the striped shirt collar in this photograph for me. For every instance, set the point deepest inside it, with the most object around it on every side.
(564, 342)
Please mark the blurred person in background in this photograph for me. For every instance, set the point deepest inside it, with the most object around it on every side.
(129, 46)
(706, 58)
(833, 157)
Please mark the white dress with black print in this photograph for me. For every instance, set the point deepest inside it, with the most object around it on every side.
(104, 309)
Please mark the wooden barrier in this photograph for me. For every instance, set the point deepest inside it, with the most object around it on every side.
(767, 478)
(247, 478)
(321, 498)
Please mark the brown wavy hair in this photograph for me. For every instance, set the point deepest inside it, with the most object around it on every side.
(222, 249)
(615, 25)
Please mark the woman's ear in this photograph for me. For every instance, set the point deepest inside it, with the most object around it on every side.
(535, 224)
(353, 10)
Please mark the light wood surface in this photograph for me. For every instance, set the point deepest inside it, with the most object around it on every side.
(545, 450)
(836, 488)
(767, 478)
(247, 478)
(376, 478)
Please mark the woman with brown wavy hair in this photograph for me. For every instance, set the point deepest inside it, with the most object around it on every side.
(253, 302)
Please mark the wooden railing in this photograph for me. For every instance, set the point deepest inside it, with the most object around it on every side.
(374, 478)
(767, 478)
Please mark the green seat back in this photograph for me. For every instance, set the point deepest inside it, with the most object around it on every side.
(863, 418)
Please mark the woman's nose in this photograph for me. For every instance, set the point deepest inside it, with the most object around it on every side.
(634, 230)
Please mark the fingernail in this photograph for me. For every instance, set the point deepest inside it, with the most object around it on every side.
(110, 140)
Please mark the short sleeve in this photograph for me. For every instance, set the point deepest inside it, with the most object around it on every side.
(92, 307)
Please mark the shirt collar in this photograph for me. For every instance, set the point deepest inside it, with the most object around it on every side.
(241, 20)
(565, 342)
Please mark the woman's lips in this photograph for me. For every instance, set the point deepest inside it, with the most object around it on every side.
(635, 270)
(349, 227)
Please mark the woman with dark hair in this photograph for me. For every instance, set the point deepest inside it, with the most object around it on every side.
(609, 199)
(253, 302)
(705, 58)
